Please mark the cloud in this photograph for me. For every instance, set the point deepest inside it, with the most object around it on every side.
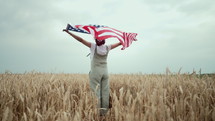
(171, 33)
(32, 37)
(198, 8)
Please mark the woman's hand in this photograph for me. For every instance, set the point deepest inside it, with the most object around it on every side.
(65, 30)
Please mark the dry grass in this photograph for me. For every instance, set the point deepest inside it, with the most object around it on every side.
(136, 97)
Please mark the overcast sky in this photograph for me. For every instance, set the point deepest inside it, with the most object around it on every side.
(171, 34)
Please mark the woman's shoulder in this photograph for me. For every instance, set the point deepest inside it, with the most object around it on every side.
(93, 45)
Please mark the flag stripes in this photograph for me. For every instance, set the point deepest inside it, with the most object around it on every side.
(103, 32)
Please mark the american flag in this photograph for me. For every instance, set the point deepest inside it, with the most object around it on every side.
(103, 32)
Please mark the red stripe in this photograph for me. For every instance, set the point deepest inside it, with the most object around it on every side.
(128, 38)
(109, 36)
(104, 31)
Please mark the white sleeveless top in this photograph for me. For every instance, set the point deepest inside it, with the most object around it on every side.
(101, 50)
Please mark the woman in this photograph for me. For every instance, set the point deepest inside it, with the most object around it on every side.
(98, 75)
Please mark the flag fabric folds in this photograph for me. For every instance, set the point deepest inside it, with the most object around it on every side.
(103, 32)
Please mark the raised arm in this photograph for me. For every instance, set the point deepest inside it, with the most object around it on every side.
(88, 44)
(115, 45)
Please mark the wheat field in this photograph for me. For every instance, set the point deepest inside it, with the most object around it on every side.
(135, 97)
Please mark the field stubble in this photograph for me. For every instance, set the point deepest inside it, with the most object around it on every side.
(135, 97)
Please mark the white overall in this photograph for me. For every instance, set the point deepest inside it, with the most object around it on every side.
(99, 82)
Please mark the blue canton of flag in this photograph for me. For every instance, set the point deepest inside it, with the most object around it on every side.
(69, 27)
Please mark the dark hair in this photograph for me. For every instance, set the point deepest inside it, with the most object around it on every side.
(100, 42)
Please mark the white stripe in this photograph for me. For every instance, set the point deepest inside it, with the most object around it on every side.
(91, 31)
(130, 39)
(81, 27)
(110, 33)
(107, 28)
